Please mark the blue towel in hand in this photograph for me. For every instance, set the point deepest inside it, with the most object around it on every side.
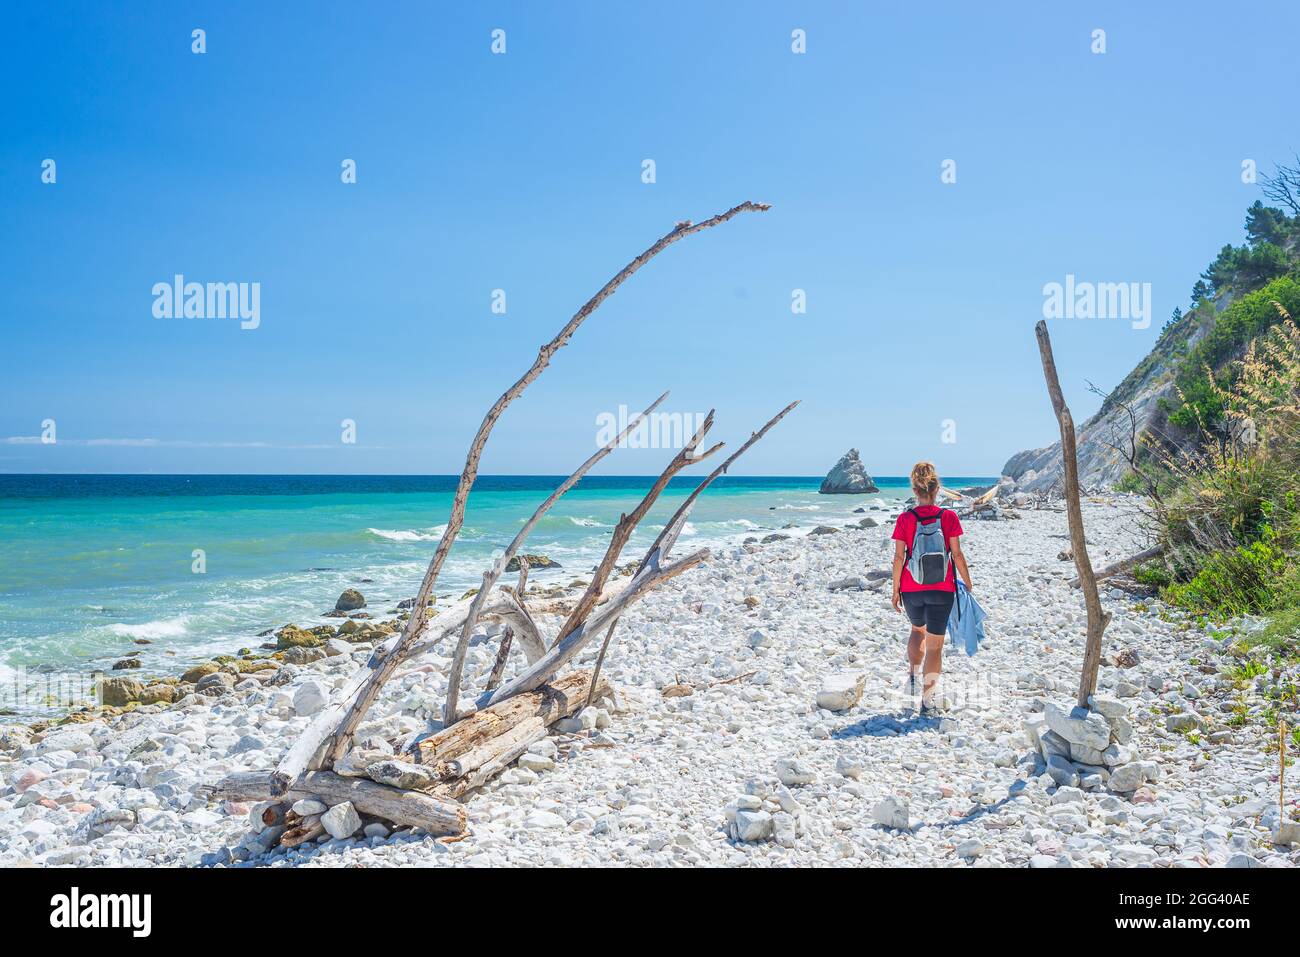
(966, 620)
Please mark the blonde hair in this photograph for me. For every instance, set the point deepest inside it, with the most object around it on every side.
(925, 481)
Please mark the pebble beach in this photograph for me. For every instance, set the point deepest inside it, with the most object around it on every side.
(717, 748)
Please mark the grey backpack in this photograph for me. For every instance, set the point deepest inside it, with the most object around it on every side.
(928, 558)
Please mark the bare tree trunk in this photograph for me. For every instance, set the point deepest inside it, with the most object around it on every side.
(1097, 618)
(356, 712)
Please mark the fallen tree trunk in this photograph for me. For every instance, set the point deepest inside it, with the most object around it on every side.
(1124, 564)
(308, 829)
(437, 815)
(519, 743)
(525, 733)
(550, 703)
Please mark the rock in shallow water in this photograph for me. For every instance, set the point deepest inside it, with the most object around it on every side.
(848, 477)
(350, 600)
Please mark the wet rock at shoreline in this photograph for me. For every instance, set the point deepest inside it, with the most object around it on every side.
(534, 562)
(117, 692)
(198, 672)
(291, 636)
(350, 600)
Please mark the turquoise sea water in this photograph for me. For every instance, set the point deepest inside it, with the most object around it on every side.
(90, 563)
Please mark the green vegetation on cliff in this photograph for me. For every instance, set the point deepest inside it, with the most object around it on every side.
(1227, 504)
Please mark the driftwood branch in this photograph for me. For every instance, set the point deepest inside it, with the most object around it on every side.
(627, 524)
(712, 476)
(370, 690)
(646, 579)
(503, 652)
(308, 750)
(1124, 564)
(574, 632)
(492, 576)
(435, 814)
(673, 527)
(600, 661)
(1097, 618)
(549, 703)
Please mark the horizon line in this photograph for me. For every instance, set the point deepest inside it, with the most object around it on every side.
(545, 475)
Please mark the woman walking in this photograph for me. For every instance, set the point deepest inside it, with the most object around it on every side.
(927, 552)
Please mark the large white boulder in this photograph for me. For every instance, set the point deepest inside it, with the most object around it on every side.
(309, 698)
(341, 821)
(752, 826)
(793, 773)
(1078, 725)
(1131, 776)
(841, 692)
(893, 813)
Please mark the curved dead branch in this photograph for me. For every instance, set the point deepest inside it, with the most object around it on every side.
(370, 689)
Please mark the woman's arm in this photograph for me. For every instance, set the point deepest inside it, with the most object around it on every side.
(958, 559)
(898, 575)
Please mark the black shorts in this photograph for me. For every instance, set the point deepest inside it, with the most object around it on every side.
(929, 609)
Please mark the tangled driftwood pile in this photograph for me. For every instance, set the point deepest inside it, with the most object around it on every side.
(327, 768)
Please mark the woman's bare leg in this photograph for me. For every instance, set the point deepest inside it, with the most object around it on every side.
(915, 655)
(932, 668)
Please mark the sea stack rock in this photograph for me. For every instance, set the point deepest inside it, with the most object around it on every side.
(848, 477)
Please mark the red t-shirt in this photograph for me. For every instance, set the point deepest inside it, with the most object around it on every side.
(905, 530)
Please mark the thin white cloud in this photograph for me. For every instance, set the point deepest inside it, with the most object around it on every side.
(173, 444)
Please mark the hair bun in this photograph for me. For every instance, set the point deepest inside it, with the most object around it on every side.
(925, 479)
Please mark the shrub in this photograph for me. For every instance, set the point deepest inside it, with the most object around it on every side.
(1242, 581)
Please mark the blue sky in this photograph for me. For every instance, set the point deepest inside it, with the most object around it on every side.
(523, 172)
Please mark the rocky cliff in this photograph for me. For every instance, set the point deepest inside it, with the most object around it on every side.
(1133, 404)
